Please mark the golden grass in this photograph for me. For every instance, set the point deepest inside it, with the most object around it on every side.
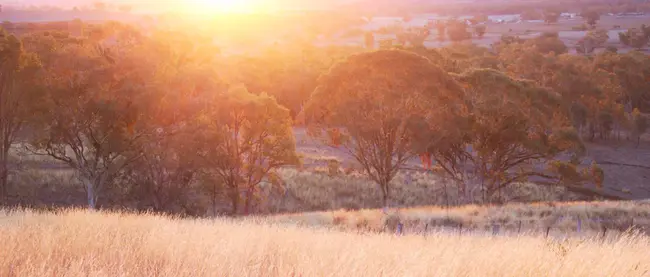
(561, 218)
(82, 243)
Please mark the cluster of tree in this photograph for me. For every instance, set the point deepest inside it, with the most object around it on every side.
(414, 37)
(454, 29)
(460, 30)
(482, 128)
(552, 15)
(591, 17)
(486, 119)
(149, 116)
(546, 43)
(534, 8)
(591, 41)
(162, 117)
(637, 38)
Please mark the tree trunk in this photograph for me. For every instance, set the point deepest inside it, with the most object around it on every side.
(248, 201)
(385, 194)
(4, 172)
(214, 198)
(92, 186)
(234, 200)
(4, 177)
(157, 202)
(90, 190)
(247, 204)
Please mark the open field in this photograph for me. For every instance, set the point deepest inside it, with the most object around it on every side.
(82, 243)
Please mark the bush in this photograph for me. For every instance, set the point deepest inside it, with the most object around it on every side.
(581, 27)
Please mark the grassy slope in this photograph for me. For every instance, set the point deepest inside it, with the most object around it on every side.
(80, 243)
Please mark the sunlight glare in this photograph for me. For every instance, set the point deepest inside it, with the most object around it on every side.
(222, 6)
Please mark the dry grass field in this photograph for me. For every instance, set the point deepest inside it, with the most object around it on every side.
(81, 243)
(576, 219)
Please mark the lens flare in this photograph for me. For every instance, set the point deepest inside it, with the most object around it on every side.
(222, 6)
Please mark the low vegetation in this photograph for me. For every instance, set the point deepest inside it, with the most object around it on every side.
(558, 219)
(314, 189)
(84, 243)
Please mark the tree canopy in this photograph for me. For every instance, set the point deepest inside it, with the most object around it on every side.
(366, 103)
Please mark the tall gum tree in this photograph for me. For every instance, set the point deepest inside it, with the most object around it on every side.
(18, 97)
(91, 121)
(247, 137)
(514, 131)
(181, 80)
(366, 104)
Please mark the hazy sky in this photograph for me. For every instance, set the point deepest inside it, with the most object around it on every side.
(155, 4)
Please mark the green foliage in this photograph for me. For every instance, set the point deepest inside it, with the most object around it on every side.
(371, 98)
(594, 39)
(288, 74)
(631, 73)
(591, 17)
(548, 43)
(568, 173)
(19, 97)
(636, 38)
(414, 36)
(247, 137)
(480, 30)
(91, 117)
(551, 16)
(503, 134)
(457, 31)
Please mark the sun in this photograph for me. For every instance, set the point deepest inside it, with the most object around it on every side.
(222, 6)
